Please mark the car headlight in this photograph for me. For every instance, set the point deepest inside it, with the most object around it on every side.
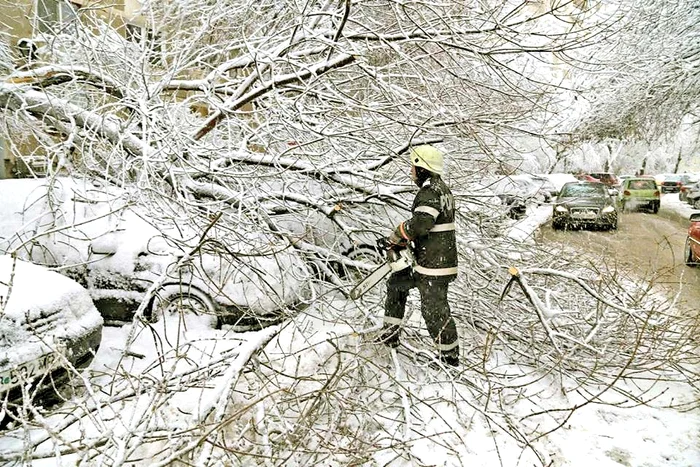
(561, 209)
(608, 209)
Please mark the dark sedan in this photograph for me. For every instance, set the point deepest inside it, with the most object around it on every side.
(671, 183)
(584, 204)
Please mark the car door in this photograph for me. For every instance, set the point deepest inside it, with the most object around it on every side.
(694, 235)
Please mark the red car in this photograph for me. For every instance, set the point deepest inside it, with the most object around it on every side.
(586, 178)
(608, 178)
(692, 243)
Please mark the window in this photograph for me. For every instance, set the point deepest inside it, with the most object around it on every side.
(642, 185)
(28, 49)
(55, 16)
(585, 190)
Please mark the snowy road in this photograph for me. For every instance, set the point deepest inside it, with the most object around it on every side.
(648, 245)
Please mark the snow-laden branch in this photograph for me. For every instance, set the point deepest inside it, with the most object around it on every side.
(39, 105)
(235, 104)
(221, 397)
(54, 75)
(637, 314)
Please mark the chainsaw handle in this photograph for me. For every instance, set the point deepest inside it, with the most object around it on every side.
(384, 243)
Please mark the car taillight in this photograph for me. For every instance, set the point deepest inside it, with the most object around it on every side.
(657, 194)
(626, 193)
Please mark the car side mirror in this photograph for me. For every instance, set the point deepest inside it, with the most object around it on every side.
(106, 244)
(695, 217)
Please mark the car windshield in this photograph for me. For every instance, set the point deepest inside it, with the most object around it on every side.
(642, 185)
(584, 190)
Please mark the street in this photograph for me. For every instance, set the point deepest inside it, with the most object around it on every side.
(647, 245)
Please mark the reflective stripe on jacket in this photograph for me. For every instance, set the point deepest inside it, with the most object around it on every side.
(432, 230)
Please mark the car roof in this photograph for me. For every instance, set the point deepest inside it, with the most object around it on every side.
(583, 182)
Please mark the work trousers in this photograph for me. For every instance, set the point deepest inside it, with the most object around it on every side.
(433, 306)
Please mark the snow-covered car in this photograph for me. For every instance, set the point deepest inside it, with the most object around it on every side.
(517, 191)
(92, 233)
(692, 195)
(692, 241)
(558, 180)
(49, 327)
(689, 184)
(584, 204)
(349, 230)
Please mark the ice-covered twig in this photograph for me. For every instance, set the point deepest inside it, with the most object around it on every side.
(222, 392)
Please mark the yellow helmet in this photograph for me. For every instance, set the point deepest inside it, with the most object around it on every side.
(428, 157)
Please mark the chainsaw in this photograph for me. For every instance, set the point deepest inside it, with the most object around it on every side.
(398, 259)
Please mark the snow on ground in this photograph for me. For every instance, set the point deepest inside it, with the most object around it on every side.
(419, 416)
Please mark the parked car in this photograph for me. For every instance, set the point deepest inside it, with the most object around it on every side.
(48, 324)
(670, 183)
(608, 178)
(557, 180)
(692, 241)
(582, 204)
(686, 182)
(639, 193)
(351, 231)
(518, 191)
(92, 232)
(692, 195)
(584, 177)
(623, 177)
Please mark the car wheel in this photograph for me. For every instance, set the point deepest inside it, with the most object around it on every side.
(613, 226)
(696, 203)
(655, 208)
(364, 253)
(175, 299)
(557, 225)
(690, 259)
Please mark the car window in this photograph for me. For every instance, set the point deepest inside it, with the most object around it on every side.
(584, 189)
(642, 185)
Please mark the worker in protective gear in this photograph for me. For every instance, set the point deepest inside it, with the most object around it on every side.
(430, 232)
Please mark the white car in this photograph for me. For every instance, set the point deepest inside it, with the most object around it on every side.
(48, 323)
(94, 234)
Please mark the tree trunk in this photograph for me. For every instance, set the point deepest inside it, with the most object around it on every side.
(678, 162)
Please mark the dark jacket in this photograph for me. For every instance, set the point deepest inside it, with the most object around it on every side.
(432, 230)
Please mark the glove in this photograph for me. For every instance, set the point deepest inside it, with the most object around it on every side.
(395, 239)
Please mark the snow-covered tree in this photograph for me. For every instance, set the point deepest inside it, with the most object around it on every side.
(252, 108)
(643, 81)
